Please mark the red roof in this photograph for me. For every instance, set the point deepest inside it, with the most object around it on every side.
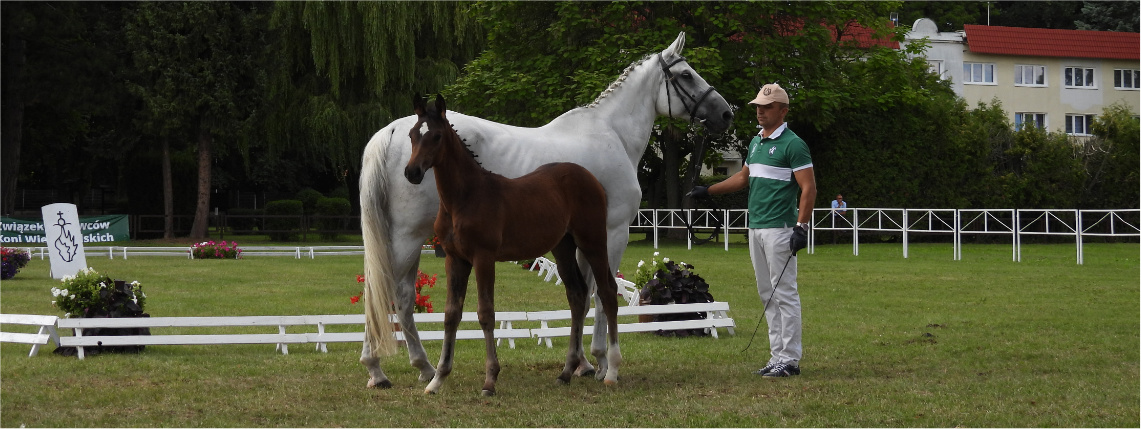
(1042, 42)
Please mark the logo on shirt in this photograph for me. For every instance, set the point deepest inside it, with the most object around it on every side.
(772, 150)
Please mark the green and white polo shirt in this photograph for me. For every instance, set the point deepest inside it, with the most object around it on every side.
(773, 191)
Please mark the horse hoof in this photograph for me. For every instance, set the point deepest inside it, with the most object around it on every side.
(429, 392)
(563, 381)
(586, 373)
(486, 392)
(609, 382)
(383, 384)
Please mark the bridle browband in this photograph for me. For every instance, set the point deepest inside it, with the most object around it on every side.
(686, 96)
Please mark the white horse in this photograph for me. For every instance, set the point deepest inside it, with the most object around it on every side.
(607, 137)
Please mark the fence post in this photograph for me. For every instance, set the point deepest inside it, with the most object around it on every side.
(725, 227)
(655, 228)
(856, 232)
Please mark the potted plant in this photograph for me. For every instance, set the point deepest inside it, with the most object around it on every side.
(435, 242)
(212, 250)
(13, 261)
(671, 282)
(91, 294)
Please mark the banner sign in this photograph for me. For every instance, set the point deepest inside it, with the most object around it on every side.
(18, 232)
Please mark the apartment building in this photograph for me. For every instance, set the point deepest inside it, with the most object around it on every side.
(1053, 79)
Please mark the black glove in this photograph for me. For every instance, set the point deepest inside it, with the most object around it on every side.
(699, 192)
(799, 239)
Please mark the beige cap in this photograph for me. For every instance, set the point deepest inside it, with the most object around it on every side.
(770, 93)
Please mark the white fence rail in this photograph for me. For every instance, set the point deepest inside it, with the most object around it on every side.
(1015, 223)
(297, 252)
(275, 328)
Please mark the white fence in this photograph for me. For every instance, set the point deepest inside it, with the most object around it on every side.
(275, 328)
(297, 252)
(1015, 223)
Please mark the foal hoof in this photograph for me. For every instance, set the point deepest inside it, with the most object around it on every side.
(486, 392)
(563, 381)
(609, 382)
(383, 384)
(586, 372)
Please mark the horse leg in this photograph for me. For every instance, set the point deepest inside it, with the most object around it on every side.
(575, 284)
(485, 309)
(618, 237)
(376, 376)
(405, 310)
(607, 294)
(458, 273)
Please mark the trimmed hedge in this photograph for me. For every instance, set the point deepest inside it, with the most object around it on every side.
(284, 228)
(332, 207)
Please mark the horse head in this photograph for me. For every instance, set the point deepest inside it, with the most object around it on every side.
(427, 137)
(687, 94)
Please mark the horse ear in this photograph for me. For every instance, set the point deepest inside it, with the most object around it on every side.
(441, 105)
(677, 45)
(418, 104)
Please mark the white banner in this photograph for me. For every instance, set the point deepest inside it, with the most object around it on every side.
(64, 239)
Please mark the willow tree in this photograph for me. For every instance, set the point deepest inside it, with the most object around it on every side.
(342, 70)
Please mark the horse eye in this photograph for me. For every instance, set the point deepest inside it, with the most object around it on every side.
(686, 74)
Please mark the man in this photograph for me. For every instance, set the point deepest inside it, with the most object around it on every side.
(838, 210)
(777, 171)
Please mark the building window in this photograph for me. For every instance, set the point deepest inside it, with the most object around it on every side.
(1126, 79)
(1029, 75)
(1078, 125)
(935, 67)
(1080, 77)
(978, 73)
(1037, 120)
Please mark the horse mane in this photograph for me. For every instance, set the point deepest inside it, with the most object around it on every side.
(618, 82)
(466, 146)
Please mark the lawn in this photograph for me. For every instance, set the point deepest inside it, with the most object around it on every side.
(924, 341)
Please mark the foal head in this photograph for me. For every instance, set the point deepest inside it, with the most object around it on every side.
(431, 133)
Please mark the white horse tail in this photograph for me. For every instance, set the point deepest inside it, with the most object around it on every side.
(380, 284)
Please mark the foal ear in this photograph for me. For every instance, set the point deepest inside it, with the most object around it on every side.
(418, 102)
(440, 106)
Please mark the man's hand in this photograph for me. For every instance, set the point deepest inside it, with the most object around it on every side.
(699, 192)
(799, 239)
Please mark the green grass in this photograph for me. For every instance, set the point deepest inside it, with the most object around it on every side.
(923, 341)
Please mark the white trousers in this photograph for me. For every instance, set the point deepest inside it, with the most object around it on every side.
(769, 251)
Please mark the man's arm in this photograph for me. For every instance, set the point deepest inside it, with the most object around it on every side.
(806, 178)
(733, 183)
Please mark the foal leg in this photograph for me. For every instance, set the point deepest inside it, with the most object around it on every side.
(577, 297)
(485, 286)
(458, 273)
(598, 338)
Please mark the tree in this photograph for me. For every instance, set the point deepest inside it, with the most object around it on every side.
(1109, 16)
(197, 79)
(574, 50)
(341, 70)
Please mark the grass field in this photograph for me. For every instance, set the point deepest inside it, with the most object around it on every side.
(924, 341)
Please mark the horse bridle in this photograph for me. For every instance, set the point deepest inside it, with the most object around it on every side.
(686, 96)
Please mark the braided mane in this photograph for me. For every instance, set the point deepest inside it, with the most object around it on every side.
(618, 82)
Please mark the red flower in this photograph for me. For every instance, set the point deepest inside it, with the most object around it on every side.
(355, 299)
(360, 278)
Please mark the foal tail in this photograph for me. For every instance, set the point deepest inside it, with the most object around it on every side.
(380, 284)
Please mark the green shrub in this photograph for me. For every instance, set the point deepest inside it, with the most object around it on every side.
(243, 221)
(332, 207)
(283, 228)
(309, 198)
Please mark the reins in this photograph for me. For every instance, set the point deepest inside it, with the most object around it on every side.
(671, 79)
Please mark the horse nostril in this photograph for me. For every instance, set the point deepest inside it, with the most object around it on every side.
(727, 116)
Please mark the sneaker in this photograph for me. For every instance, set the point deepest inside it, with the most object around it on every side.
(782, 370)
(766, 369)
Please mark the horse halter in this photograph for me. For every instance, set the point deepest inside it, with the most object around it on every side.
(684, 95)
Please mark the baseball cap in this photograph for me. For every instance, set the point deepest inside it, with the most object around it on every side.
(770, 93)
